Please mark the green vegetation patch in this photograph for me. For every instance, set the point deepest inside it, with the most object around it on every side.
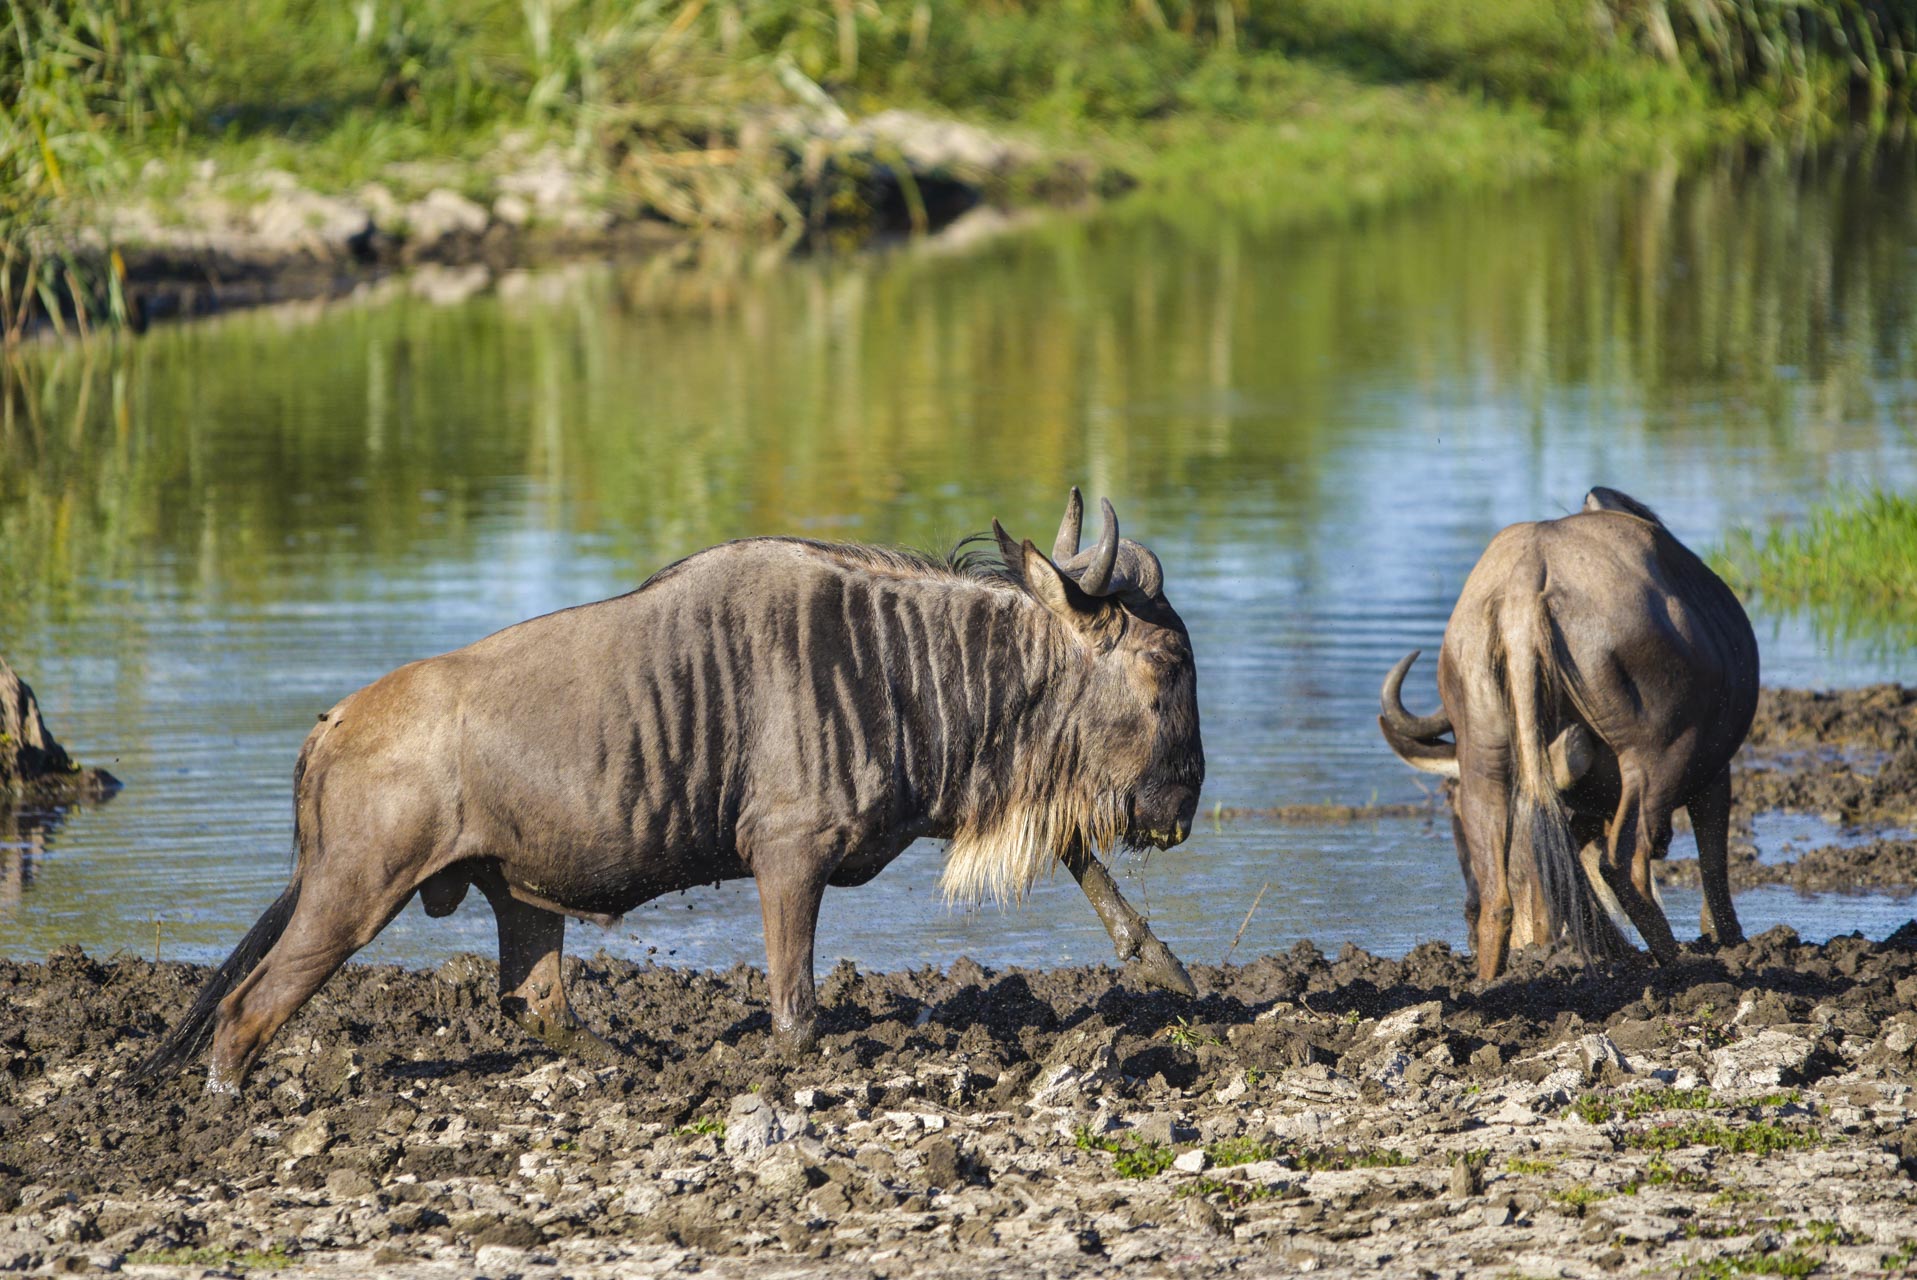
(1762, 1139)
(1602, 1108)
(273, 1259)
(1135, 1159)
(1852, 565)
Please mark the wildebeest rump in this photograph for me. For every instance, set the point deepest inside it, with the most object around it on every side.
(794, 711)
(1597, 677)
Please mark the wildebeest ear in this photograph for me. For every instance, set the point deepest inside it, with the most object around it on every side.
(1054, 590)
(1604, 498)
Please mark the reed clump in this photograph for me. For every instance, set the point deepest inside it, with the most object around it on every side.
(1852, 564)
(674, 104)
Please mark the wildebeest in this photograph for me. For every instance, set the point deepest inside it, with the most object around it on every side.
(1596, 676)
(794, 711)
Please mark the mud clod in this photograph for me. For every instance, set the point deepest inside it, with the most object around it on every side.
(1359, 1114)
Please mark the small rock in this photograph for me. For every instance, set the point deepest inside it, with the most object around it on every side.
(941, 1167)
(1193, 1161)
(499, 1260)
(349, 1184)
(513, 210)
(1163, 1128)
(785, 1173)
(754, 1126)
(1202, 1215)
(1598, 1051)
(1416, 1023)
(311, 1138)
(440, 216)
(1770, 1058)
(1467, 1178)
(1500, 1213)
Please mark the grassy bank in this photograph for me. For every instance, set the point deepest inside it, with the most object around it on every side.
(686, 111)
(1852, 565)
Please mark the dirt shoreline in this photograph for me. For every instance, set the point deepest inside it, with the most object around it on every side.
(1750, 1110)
(1353, 1115)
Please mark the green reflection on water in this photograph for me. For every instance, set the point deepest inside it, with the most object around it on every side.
(1760, 302)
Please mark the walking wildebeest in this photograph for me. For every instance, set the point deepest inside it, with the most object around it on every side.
(1597, 677)
(794, 711)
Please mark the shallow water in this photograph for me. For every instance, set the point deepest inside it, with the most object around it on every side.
(215, 532)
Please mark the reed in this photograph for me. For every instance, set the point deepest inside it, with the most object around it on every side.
(1852, 565)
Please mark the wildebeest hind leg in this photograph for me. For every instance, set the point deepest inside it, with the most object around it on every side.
(1626, 865)
(532, 988)
(1711, 821)
(331, 922)
(1131, 933)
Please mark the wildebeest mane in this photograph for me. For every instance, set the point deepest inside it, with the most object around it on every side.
(974, 558)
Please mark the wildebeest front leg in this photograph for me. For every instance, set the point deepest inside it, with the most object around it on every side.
(1131, 933)
(789, 895)
(1711, 821)
(532, 989)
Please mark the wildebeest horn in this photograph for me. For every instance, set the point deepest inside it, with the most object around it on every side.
(1096, 580)
(1402, 722)
(1141, 567)
(1066, 545)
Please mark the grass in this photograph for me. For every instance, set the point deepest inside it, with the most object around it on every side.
(704, 1125)
(273, 1259)
(1301, 109)
(1851, 565)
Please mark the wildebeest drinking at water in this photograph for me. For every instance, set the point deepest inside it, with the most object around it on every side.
(794, 711)
(1596, 675)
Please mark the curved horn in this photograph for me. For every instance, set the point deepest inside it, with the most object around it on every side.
(1142, 567)
(1400, 721)
(1097, 578)
(1066, 545)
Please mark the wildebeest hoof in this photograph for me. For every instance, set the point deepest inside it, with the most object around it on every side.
(796, 1039)
(1158, 967)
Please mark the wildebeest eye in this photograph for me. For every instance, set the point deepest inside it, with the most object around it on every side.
(1161, 661)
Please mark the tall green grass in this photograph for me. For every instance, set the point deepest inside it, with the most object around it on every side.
(1852, 565)
(668, 101)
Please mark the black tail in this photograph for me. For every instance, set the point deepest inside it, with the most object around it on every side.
(191, 1036)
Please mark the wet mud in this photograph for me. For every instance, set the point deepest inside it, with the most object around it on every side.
(1748, 1111)
(1847, 757)
(1351, 1114)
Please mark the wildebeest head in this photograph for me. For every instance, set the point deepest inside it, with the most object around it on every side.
(1126, 763)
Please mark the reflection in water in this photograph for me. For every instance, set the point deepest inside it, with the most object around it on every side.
(216, 531)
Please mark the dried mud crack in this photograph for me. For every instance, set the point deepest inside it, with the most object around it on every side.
(1751, 1108)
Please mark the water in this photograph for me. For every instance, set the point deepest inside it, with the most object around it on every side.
(209, 535)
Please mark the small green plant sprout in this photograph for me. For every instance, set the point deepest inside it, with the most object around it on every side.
(1524, 1164)
(703, 1125)
(1352, 1018)
(1579, 1198)
(1315, 1159)
(1902, 1260)
(1235, 1151)
(1186, 1036)
(1254, 1077)
(1233, 1194)
(1133, 1159)
(1826, 1232)
(1751, 1262)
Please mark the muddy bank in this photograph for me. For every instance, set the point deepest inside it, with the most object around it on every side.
(1351, 1114)
(1847, 757)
